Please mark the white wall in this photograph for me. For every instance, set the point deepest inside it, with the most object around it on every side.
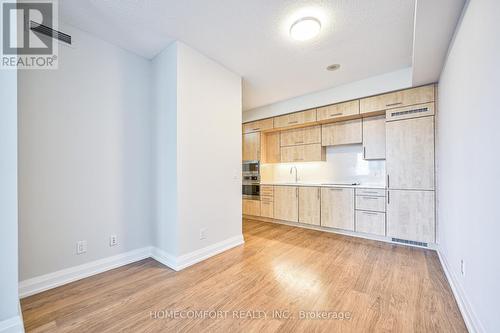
(371, 86)
(84, 156)
(8, 197)
(197, 108)
(468, 163)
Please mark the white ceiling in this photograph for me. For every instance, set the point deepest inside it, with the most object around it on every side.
(250, 37)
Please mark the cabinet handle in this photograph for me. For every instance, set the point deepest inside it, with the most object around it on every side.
(388, 197)
(293, 122)
(318, 193)
(388, 181)
(394, 104)
(364, 152)
(256, 129)
(335, 189)
(370, 198)
(298, 142)
(369, 213)
(336, 114)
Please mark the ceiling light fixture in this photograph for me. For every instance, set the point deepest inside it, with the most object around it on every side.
(305, 28)
(333, 67)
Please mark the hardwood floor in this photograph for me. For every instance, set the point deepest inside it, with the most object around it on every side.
(378, 286)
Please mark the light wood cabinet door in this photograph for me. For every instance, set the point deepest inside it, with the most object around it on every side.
(338, 110)
(342, 133)
(267, 207)
(411, 215)
(370, 222)
(424, 94)
(251, 146)
(301, 136)
(303, 153)
(251, 207)
(337, 208)
(270, 147)
(286, 203)
(257, 126)
(410, 154)
(296, 118)
(309, 205)
(374, 138)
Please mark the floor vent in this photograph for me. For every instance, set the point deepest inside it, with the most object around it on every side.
(402, 113)
(47, 31)
(404, 241)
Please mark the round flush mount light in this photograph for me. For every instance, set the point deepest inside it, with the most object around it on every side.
(333, 67)
(305, 28)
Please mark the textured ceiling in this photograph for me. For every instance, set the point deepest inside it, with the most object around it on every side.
(250, 37)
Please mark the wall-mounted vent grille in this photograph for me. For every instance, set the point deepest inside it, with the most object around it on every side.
(404, 241)
(402, 113)
(47, 31)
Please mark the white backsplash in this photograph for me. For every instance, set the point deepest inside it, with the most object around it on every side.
(343, 164)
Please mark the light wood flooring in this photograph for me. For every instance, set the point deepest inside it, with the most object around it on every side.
(266, 285)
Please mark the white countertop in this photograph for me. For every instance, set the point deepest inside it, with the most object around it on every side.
(377, 186)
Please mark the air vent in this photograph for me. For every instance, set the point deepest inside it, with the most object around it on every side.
(402, 113)
(47, 31)
(404, 241)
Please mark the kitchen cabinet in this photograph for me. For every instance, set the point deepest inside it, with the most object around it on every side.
(309, 205)
(370, 222)
(374, 138)
(410, 154)
(338, 110)
(267, 207)
(297, 118)
(337, 207)
(374, 192)
(411, 215)
(303, 153)
(342, 133)
(301, 136)
(424, 94)
(251, 207)
(370, 203)
(286, 203)
(251, 146)
(257, 126)
(270, 147)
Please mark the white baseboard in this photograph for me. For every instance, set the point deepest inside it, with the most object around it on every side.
(471, 321)
(12, 325)
(189, 259)
(48, 281)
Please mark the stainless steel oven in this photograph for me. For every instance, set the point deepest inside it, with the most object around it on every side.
(251, 180)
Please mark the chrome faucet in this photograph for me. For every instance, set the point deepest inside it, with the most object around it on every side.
(296, 176)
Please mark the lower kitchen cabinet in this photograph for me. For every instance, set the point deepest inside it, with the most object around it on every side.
(266, 207)
(251, 207)
(337, 208)
(309, 205)
(370, 222)
(411, 215)
(286, 203)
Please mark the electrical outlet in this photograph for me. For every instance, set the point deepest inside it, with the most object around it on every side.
(462, 267)
(81, 247)
(113, 240)
(203, 233)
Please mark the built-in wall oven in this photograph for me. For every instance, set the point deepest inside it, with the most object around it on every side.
(251, 180)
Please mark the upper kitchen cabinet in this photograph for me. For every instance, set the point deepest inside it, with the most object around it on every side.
(257, 126)
(342, 133)
(374, 138)
(410, 154)
(338, 110)
(251, 146)
(397, 99)
(270, 147)
(303, 153)
(301, 136)
(297, 118)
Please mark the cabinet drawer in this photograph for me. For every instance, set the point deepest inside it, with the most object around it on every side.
(301, 136)
(370, 222)
(267, 208)
(338, 110)
(376, 204)
(251, 207)
(375, 192)
(257, 126)
(296, 118)
(397, 99)
(266, 190)
(303, 153)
